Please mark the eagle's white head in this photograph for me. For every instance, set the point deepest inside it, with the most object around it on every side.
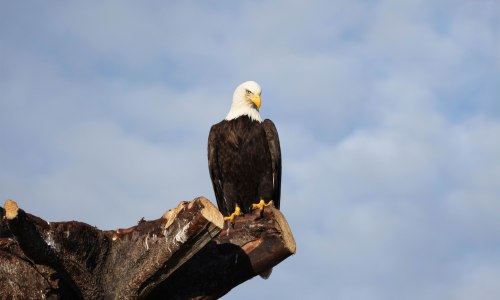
(246, 101)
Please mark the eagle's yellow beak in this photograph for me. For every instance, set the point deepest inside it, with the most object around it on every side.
(255, 98)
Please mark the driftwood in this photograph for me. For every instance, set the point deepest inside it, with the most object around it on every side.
(189, 253)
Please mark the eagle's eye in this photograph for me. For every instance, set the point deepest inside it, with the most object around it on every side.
(248, 92)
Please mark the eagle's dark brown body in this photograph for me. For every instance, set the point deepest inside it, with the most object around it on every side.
(244, 159)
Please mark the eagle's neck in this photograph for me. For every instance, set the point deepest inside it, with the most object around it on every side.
(243, 108)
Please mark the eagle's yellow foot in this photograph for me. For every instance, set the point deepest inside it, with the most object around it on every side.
(237, 212)
(261, 204)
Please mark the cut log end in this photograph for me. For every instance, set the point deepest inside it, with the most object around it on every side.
(208, 210)
(211, 213)
(11, 209)
(285, 231)
(171, 214)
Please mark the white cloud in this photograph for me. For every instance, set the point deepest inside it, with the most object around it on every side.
(479, 281)
(108, 177)
(400, 199)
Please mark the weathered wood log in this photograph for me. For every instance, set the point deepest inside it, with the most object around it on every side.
(121, 264)
(182, 255)
(249, 246)
(34, 245)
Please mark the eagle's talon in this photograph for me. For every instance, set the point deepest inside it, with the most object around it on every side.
(261, 204)
(237, 212)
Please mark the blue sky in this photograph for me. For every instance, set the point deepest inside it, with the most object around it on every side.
(388, 114)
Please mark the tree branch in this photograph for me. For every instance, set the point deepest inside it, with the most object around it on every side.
(184, 254)
(253, 244)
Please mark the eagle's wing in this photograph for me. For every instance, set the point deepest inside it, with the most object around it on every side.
(274, 147)
(213, 167)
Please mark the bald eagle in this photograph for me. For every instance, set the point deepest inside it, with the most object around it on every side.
(244, 156)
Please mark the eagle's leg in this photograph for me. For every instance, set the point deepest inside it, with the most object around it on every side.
(237, 212)
(261, 204)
